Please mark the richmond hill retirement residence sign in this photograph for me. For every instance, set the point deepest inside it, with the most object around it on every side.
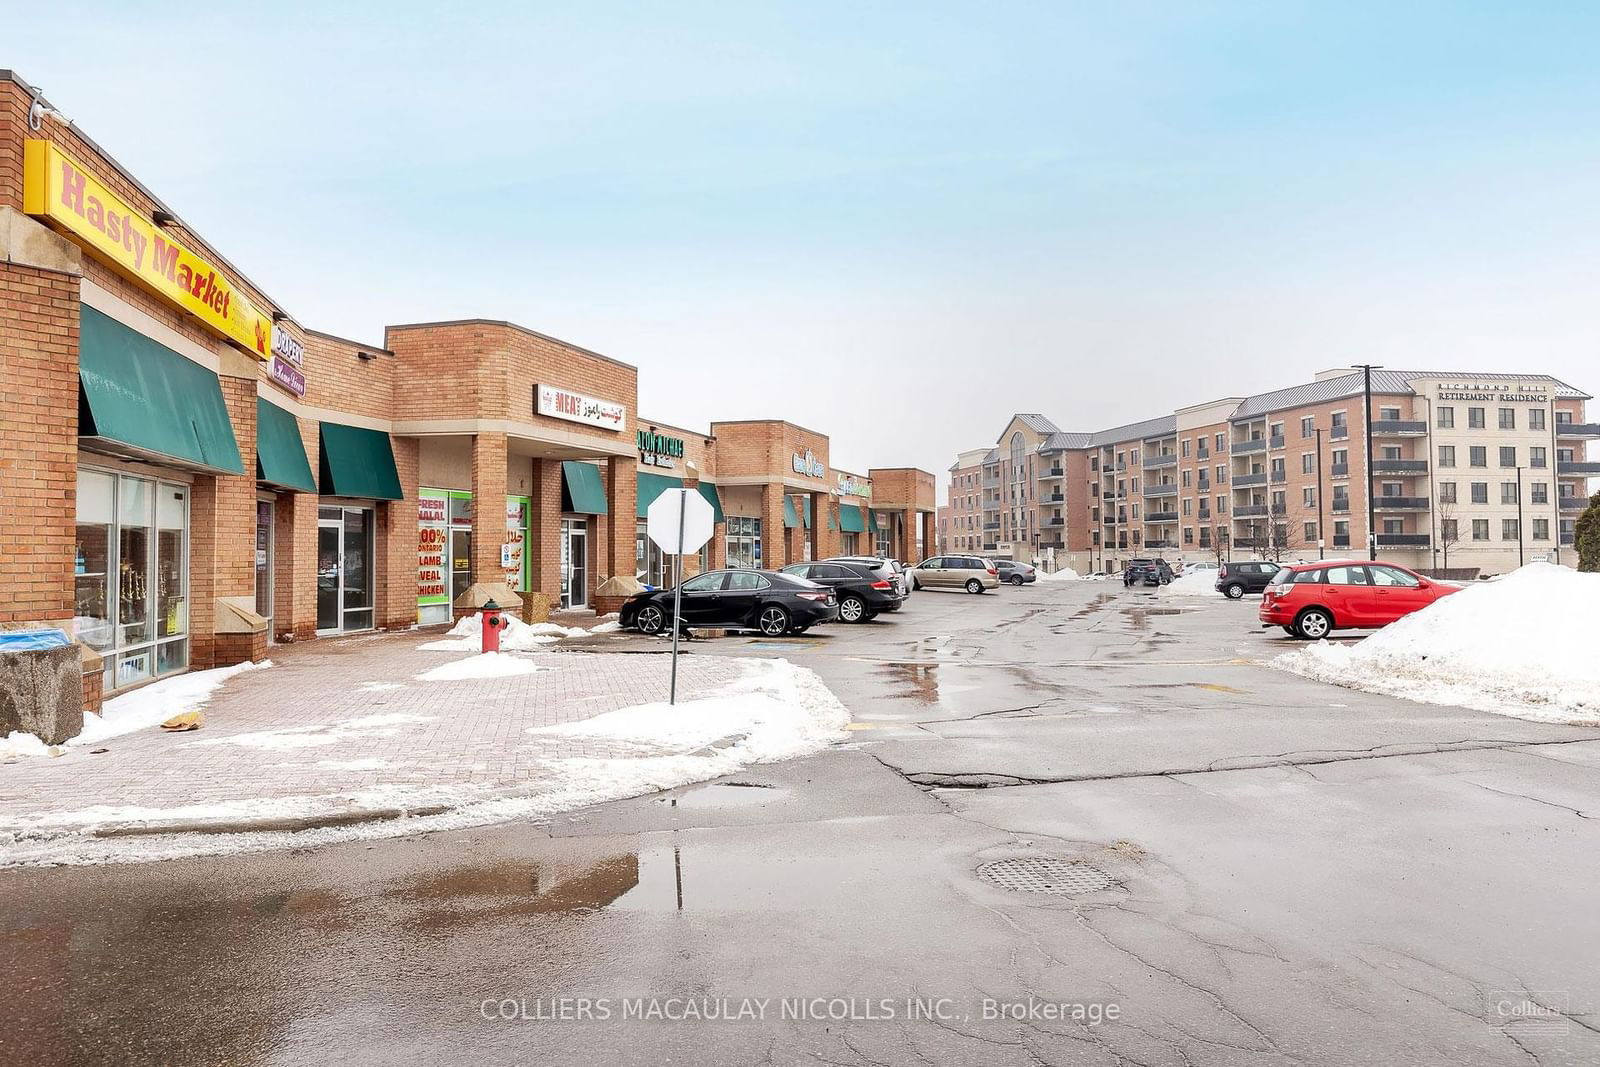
(56, 188)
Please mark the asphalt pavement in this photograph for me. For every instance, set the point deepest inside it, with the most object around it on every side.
(1073, 824)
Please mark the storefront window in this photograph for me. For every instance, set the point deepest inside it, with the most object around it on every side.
(515, 556)
(744, 541)
(883, 535)
(851, 543)
(132, 566)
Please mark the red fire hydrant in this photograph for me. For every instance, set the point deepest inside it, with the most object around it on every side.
(493, 623)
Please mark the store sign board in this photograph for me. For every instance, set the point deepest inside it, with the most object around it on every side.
(656, 450)
(849, 485)
(808, 464)
(56, 188)
(286, 345)
(433, 537)
(560, 403)
(287, 375)
(1502, 392)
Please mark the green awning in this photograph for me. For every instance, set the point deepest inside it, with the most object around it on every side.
(650, 487)
(280, 453)
(358, 462)
(145, 398)
(791, 517)
(872, 520)
(581, 489)
(805, 510)
(850, 520)
(709, 491)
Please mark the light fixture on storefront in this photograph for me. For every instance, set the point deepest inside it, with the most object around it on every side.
(163, 218)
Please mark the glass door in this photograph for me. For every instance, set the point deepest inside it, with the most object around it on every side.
(574, 563)
(264, 562)
(330, 532)
(357, 569)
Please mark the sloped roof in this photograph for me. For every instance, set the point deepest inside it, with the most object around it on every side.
(1135, 431)
(1037, 423)
(1061, 440)
(1387, 382)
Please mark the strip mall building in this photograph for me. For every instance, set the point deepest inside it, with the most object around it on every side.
(189, 474)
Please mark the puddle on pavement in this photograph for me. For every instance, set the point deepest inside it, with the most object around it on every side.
(520, 887)
(1140, 615)
(915, 681)
(719, 795)
(1100, 601)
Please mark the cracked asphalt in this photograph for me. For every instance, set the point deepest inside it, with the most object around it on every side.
(1298, 874)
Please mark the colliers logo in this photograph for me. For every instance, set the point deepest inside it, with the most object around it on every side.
(808, 464)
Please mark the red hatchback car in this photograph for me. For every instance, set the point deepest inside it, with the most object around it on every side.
(1310, 600)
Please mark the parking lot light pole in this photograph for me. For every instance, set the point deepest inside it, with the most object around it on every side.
(1322, 532)
(1520, 560)
(1366, 394)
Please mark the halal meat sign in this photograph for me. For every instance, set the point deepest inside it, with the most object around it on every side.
(561, 403)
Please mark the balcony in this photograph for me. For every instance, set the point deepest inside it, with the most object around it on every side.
(1057, 521)
(1244, 448)
(1275, 441)
(1341, 505)
(1161, 516)
(1161, 544)
(1573, 504)
(1245, 481)
(1399, 428)
(1053, 472)
(1121, 466)
(1578, 429)
(1250, 511)
(1052, 498)
(1338, 470)
(991, 483)
(1161, 489)
(1400, 503)
(1168, 460)
(1279, 477)
(1573, 466)
(991, 526)
(1569, 538)
(1404, 540)
(1408, 466)
(1339, 433)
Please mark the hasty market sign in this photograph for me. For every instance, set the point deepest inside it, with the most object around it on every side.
(808, 464)
(56, 188)
(561, 403)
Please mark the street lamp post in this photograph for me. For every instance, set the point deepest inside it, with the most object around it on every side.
(1520, 560)
(1322, 531)
(1366, 395)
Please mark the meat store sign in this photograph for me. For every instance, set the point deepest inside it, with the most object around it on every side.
(560, 403)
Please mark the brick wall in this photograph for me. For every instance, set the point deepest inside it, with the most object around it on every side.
(38, 443)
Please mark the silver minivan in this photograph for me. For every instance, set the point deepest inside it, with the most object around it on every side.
(972, 573)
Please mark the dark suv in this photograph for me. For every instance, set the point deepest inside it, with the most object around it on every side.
(1147, 572)
(862, 592)
(1234, 580)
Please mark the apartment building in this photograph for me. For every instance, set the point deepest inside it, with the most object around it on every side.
(963, 523)
(1471, 473)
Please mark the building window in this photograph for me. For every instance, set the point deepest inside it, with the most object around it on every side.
(1508, 456)
(1222, 475)
(1394, 526)
(1480, 492)
(1536, 418)
(1537, 456)
(1447, 455)
(1205, 537)
(1341, 530)
(1447, 492)
(1449, 531)
(1308, 426)
(1508, 418)
(1221, 443)
(1480, 529)
(1447, 418)
(1509, 530)
(1541, 529)
(1183, 448)
(131, 581)
(1341, 457)
(744, 541)
(1310, 532)
(1541, 492)
(1278, 472)
(1508, 492)
(1338, 419)
(1222, 505)
(1186, 503)
(1308, 498)
(1188, 533)
(1478, 455)
(1308, 463)
(1475, 420)
(1389, 414)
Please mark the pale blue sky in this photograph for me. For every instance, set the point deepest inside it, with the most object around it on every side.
(894, 223)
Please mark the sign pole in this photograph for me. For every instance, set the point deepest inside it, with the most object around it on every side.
(677, 596)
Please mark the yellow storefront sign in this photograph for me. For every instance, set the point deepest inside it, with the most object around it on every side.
(56, 188)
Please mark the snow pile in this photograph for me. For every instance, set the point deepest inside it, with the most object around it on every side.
(484, 665)
(1065, 574)
(156, 703)
(17, 744)
(322, 734)
(1194, 583)
(1522, 646)
(517, 636)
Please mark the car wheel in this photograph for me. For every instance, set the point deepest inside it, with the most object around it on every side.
(773, 621)
(1234, 591)
(852, 609)
(870, 616)
(974, 586)
(1016, 579)
(651, 619)
(1313, 624)
(915, 585)
(1290, 631)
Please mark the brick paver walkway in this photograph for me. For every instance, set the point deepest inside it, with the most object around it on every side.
(348, 716)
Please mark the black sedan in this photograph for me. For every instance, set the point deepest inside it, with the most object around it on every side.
(861, 593)
(773, 603)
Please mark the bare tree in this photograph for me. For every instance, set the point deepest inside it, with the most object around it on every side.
(1449, 529)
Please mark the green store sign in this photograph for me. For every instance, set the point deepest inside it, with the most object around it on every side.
(657, 450)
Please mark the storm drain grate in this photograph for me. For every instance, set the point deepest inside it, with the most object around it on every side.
(1040, 875)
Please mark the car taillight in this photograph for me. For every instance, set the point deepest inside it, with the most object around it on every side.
(881, 584)
(1222, 572)
(991, 570)
(812, 596)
